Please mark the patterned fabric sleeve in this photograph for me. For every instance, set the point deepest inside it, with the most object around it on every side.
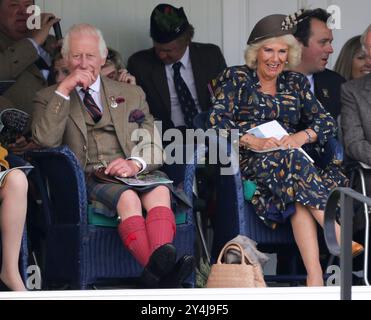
(227, 92)
(313, 114)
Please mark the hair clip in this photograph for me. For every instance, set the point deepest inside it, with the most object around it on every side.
(291, 20)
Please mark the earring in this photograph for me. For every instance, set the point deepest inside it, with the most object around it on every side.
(286, 62)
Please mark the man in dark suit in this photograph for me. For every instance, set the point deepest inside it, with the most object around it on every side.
(316, 39)
(153, 68)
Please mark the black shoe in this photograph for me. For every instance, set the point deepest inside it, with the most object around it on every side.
(161, 262)
(3, 286)
(182, 270)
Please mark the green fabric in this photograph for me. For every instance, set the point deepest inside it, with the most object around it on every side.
(249, 188)
(97, 219)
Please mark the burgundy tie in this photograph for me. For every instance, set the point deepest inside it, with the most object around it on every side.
(91, 106)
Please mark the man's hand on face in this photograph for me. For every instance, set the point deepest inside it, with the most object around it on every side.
(78, 77)
(47, 21)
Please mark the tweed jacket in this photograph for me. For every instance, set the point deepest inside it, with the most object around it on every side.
(207, 62)
(327, 87)
(17, 62)
(356, 118)
(59, 121)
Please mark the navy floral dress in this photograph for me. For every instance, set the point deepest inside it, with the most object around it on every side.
(282, 177)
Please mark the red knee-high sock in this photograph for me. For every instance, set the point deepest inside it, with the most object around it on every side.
(134, 236)
(160, 225)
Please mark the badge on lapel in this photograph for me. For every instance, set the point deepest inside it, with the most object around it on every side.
(325, 93)
(114, 102)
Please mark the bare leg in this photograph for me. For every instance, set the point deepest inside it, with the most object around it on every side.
(12, 220)
(129, 205)
(160, 196)
(319, 215)
(305, 232)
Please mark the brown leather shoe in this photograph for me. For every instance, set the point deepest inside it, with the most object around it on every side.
(357, 249)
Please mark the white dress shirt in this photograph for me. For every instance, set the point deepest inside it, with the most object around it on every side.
(311, 81)
(94, 91)
(187, 75)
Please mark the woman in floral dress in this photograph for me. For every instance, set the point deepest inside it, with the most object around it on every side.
(289, 185)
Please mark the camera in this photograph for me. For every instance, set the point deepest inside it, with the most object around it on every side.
(57, 30)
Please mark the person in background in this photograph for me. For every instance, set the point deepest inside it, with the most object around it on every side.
(352, 61)
(315, 38)
(176, 71)
(13, 209)
(96, 116)
(114, 68)
(25, 56)
(356, 132)
(289, 186)
(59, 69)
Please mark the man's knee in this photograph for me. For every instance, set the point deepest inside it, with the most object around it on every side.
(128, 200)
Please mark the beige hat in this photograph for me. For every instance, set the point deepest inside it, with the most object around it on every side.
(271, 26)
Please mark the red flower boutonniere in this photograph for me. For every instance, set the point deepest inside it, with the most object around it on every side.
(114, 102)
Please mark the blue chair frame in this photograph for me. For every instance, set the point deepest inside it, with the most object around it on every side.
(79, 254)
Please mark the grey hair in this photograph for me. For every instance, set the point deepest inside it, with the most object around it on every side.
(84, 29)
(294, 54)
(364, 35)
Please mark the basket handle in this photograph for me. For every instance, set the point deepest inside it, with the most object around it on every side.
(229, 246)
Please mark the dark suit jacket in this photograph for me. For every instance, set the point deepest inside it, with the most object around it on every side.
(327, 86)
(207, 62)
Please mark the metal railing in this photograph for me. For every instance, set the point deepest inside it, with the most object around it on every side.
(346, 197)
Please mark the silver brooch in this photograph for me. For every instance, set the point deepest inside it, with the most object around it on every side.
(113, 103)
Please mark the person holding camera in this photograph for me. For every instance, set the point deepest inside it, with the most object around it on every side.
(25, 55)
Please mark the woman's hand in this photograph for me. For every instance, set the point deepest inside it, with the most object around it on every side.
(260, 144)
(125, 76)
(296, 140)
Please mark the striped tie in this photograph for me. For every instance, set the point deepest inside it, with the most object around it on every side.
(91, 106)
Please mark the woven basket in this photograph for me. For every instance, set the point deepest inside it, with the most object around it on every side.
(243, 275)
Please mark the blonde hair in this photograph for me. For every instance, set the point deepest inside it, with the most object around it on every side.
(294, 53)
(84, 29)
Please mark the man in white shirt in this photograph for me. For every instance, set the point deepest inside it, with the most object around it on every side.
(316, 38)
